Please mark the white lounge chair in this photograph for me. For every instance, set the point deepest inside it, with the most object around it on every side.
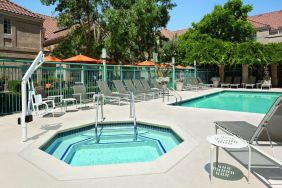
(251, 82)
(41, 107)
(227, 82)
(266, 84)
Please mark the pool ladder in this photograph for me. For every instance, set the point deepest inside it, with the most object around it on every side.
(133, 115)
(176, 95)
(99, 102)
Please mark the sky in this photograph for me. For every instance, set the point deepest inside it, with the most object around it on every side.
(182, 16)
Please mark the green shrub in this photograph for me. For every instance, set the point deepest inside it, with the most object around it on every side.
(14, 85)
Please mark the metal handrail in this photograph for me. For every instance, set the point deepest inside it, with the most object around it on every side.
(176, 95)
(133, 115)
(98, 100)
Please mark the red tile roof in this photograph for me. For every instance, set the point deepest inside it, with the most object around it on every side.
(52, 32)
(9, 6)
(50, 26)
(272, 20)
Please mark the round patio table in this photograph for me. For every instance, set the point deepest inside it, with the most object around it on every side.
(229, 142)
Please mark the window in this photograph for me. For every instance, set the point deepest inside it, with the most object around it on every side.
(7, 27)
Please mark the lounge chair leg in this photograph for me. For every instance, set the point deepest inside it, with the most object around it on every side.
(250, 162)
(270, 141)
(211, 162)
(217, 152)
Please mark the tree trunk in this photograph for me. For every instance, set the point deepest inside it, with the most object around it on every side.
(245, 73)
(221, 72)
(274, 75)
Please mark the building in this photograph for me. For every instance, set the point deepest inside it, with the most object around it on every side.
(21, 33)
(268, 27)
(53, 34)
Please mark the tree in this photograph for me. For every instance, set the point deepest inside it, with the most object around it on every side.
(228, 22)
(134, 26)
(224, 36)
(127, 28)
(168, 50)
(86, 22)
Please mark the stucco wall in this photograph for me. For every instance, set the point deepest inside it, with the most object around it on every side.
(26, 38)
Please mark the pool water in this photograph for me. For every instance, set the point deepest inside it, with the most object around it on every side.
(254, 102)
(117, 144)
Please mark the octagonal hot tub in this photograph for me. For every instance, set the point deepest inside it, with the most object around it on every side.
(114, 143)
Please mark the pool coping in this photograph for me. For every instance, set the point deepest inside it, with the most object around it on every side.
(172, 104)
(62, 171)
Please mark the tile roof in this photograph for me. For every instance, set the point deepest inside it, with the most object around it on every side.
(9, 6)
(52, 31)
(272, 20)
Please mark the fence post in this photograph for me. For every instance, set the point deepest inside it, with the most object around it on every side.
(195, 68)
(104, 59)
(173, 72)
(121, 74)
(60, 79)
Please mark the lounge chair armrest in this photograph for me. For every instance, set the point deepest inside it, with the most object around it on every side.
(50, 101)
(78, 95)
(56, 96)
(90, 93)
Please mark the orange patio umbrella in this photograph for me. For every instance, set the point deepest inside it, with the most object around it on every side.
(163, 65)
(81, 59)
(51, 59)
(189, 67)
(180, 67)
(100, 61)
(146, 63)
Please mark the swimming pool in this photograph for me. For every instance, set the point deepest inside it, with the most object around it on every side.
(116, 144)
(242, 101)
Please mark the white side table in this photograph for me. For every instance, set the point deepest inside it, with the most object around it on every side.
(65, 102)
(226, 141)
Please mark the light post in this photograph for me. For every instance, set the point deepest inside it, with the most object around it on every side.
(104, 59)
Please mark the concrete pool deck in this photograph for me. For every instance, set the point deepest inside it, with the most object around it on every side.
(20, 168)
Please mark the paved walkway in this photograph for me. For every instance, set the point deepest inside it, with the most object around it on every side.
(191, 171)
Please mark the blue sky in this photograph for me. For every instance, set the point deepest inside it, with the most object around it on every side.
(186, 12)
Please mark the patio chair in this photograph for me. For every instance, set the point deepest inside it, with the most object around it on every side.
(147, 86)
(266, 84)
(251, 82)
(227, 82)
(79, 92)
(132, 88)
(202, 83)
(269, 129)
(108, 94)
(162, 89)
(121, 90)
(236, 82)
(140, 87)
(197, 83)
(38, 104)
(57, 98)
(189, 84)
